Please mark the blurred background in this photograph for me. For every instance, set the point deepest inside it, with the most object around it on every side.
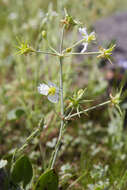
(97, 137)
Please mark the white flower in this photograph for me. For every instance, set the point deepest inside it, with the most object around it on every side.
(3, 163)
(50, 90)
(87, 38)
(83, 31)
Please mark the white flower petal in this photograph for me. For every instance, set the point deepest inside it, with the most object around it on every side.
(85, 47)
(83, 31)
(54, 99)
(50, 84)
(92, 33)
(43, 89)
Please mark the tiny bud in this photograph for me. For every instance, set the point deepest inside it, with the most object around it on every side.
(44, 34)
(68, 50)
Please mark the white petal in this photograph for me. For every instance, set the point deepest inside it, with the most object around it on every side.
(85, 47)
(54, 99)
(92, 33)
(50, 84)
(83, 31)
(43, 89)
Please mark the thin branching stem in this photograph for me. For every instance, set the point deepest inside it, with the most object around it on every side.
(53, 159)
(36, 132)
(86, 110)
(85, 53)
(47, 53)
(50, 47)
(77, 180)
(74, 45)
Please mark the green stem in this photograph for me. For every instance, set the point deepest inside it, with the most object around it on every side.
(55, 153)
(47, 53)
(85, 53)
(53, 159)
(50, 47)
(74, 45)
(77, 180)
(28, 140)
(88, 109)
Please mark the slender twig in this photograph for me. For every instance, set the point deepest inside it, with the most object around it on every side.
(47, 53)
(77, 180)
(54, 156)
(74, 45)
(88, 109)
(62, 37)
(85, 53)
(28, 140)
(50, 47)
(26, 143)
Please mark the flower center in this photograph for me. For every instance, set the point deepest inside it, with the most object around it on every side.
(91, 37)
(52, 91)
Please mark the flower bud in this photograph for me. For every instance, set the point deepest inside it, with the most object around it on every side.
(44, 34)
(68, 50)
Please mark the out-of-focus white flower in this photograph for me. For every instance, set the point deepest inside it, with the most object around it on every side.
(50, 90)
(40, 13)
(3, 163)
(13, 16)
(87, 38)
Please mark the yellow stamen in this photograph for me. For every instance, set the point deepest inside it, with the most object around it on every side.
(52, 91)
(91, 37)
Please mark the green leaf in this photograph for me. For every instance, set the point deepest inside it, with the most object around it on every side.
(47, 181)
(22, 171)
(15, 114)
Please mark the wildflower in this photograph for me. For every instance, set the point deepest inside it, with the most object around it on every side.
(24, 48)
(68, 21)
(105, 53)
(116, 100)
(86, 37)
(50, 90)
(77, 100)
